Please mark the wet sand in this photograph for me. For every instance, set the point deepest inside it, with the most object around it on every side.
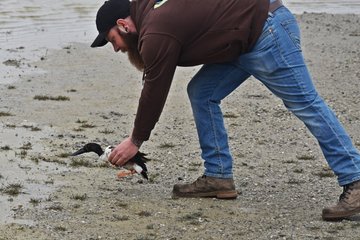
(85, 95)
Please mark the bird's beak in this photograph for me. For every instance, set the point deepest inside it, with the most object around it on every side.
(81, 151)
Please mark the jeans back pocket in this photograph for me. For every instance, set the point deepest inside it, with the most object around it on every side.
(292, 29)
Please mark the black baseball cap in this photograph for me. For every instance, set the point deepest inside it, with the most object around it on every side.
(107, 16)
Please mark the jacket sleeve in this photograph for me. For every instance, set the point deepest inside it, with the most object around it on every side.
(160, 54)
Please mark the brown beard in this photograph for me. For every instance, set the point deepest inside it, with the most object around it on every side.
(132, 40)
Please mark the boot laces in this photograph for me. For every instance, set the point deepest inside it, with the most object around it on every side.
(199, 180)
(346, 192)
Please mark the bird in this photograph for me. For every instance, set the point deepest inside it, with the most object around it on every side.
(135, 164)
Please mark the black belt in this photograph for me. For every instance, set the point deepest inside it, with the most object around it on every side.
(275, 5)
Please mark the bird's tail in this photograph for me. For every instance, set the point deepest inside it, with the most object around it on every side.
(141, 171)
(144, 174)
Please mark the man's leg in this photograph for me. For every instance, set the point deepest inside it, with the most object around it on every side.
(206, 90)
(277, 62)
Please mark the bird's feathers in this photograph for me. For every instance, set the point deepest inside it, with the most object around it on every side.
(136, 163)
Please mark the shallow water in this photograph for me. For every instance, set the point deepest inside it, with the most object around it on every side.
(39, 23)
(29, 28)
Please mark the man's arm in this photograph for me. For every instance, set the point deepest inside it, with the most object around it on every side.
(160, 54)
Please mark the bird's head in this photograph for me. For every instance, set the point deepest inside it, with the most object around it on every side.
(89, 147)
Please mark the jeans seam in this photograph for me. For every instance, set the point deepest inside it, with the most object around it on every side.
(278, 47)
(337, 137)
(215, 136)
(285, 61)
(211, 114)
(273, 29)
(335, 134)
(284, 26)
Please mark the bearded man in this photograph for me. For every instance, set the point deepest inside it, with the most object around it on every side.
(233, 39)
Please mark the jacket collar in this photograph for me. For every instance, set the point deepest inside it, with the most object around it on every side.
(138, 10)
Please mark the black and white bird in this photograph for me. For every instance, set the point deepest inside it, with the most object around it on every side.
(135, 164)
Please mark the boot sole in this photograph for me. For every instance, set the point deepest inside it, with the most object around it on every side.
(338, 217)
(219, 195)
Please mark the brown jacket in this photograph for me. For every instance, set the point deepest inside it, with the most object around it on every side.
(188, 33)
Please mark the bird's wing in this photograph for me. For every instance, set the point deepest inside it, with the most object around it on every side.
(140, 160)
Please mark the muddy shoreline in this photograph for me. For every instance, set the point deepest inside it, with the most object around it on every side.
(82, 95)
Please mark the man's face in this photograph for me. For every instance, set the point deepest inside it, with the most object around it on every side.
(126, 42)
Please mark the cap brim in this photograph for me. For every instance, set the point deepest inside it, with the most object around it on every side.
(100, 40)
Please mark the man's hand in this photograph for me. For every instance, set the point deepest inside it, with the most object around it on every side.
(123, 152)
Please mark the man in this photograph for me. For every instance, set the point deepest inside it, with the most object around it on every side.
(233, 39)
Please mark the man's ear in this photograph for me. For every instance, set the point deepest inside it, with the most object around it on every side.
(122, 25)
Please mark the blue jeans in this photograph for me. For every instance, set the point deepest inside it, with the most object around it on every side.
(276, 60)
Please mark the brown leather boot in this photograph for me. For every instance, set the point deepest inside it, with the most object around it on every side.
(206, 187)
(348, 205)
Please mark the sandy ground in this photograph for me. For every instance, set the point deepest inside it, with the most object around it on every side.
(90, 95)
